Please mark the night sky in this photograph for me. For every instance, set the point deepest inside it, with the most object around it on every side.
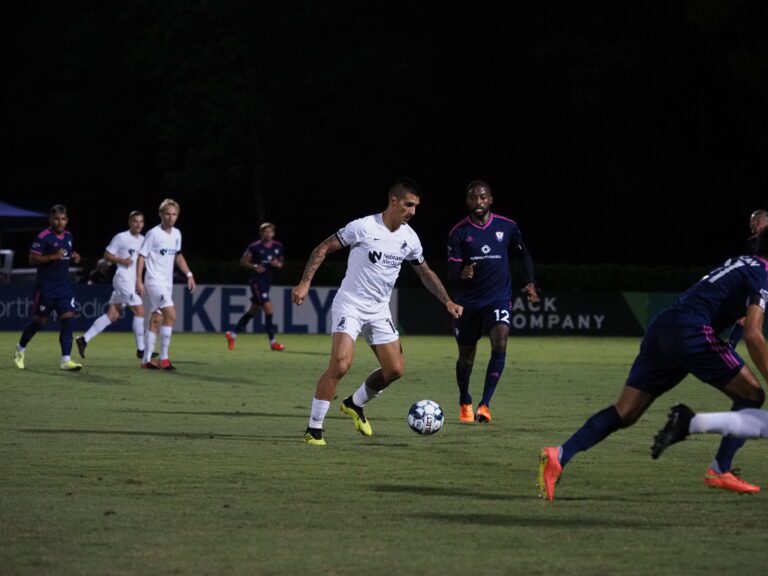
(611, 133)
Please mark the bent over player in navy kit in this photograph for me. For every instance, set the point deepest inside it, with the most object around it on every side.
(51, 253)
(684, 340)
(261, 258)
(479, 250)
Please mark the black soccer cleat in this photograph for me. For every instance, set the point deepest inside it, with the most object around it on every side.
(81, 345)
(674, 431)
(140, 354)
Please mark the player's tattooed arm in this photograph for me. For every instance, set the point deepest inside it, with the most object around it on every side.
(327, 246)
(432, 283)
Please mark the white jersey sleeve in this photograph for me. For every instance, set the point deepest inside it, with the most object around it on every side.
(352, 233)
(416, 255)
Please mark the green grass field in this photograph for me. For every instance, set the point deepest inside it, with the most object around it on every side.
(115, 470)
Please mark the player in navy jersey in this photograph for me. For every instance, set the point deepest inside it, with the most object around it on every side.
(479, 250)
(51, 253)
(758, 221)
(684, 340)
(261, 258)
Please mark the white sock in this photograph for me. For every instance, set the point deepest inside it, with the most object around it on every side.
(233, 334)
(149, 345)
(138, 332)
(165, 341)
(364, 394)
(97, 327)
(747, 423)
(19, 348)
(65, 359)
(319, 410)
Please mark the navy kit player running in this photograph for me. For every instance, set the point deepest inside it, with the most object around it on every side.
(684, 340)
(261, 258)
(479, 250)
(51, 253)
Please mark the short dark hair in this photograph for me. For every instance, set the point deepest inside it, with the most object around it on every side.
(762, 243)
(403, 186)
(58, 209)
(478, 184)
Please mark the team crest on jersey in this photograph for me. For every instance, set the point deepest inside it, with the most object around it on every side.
(131, 251)
(485, 249)
(404, 247)
(374, 256)
(499, 236)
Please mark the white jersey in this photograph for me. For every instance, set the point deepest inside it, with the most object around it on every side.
(375, 257)
(125, 245)
(159, 250)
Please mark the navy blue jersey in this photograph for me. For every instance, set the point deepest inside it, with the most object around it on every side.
(264, 254)
(53, 277)
(489, 247)
(722, 296)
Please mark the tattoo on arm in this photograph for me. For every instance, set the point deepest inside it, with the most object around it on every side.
(432, 282)
(327, 246)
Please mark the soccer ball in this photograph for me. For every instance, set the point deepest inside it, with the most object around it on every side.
(425, 417)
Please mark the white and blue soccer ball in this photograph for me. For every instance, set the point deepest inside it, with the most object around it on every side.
(425, 417)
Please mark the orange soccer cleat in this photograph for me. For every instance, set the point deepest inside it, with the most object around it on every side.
(483, 415)
(549, 472)
(230, 340)
(730, 481)
(166, 365)
(277, 347)
(466, 414)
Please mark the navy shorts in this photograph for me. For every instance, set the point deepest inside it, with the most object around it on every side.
(44, 304)
(259, 294)
(469, 328)
(669, 353)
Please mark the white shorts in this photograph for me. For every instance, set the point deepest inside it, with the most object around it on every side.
(124, 297)
(379, 330)
(159, 296)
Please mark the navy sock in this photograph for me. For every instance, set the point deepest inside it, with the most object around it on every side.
(492, 375)
(241, 324)
(29, 331)
(463, 372)
(730, 445)
(594, 431)
(269, 327)
(65, 336)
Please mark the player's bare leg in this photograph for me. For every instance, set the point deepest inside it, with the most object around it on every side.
(390, 356)
(342, 354)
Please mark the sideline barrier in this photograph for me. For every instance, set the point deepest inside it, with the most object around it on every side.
(216, 308)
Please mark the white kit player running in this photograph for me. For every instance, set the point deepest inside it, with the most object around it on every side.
(378, 245)
(122, 251)
(159, 253)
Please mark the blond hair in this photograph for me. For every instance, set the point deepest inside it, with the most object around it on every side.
(169, 202)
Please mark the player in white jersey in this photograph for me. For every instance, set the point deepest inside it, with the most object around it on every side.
(159, 253)
(122, 251)
(378, 245)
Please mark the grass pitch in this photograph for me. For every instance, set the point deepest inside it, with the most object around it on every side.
(116, 470)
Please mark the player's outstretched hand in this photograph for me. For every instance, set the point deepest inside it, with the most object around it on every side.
(75, 257)
(299, 293)
(191, 283)
(454, 309)
(533, 296)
